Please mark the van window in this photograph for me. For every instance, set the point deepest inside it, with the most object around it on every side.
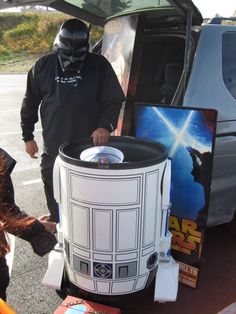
(160, 68)
(229, 61)
(111, 8)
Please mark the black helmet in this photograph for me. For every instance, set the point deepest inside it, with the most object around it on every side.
(72, 44)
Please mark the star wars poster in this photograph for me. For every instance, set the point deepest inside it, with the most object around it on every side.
(189, 135)
(117, 47)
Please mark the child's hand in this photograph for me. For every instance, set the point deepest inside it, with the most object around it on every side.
(48, 225)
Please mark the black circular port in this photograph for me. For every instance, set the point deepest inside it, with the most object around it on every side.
(152, 260)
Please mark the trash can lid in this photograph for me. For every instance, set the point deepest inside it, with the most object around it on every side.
(137, 153)
(102, 155)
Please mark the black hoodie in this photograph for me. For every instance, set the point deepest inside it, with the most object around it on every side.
(72, 105)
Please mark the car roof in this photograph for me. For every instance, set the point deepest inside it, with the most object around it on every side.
(98, 12)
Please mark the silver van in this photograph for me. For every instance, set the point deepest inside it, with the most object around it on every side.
(177, 60)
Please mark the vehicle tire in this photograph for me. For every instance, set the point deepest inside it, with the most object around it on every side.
(231, 226)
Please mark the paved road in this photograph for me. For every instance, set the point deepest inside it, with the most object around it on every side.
(217, 286)
(25, 293)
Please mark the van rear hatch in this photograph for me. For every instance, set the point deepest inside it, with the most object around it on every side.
(98, 12)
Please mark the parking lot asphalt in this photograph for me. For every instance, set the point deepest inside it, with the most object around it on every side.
(216, 292)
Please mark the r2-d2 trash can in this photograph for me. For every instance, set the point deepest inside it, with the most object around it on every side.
(114, 217)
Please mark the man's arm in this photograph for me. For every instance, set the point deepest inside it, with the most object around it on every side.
(29, 107)
(29, 113)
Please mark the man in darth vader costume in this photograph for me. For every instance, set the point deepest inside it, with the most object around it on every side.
(77, 95)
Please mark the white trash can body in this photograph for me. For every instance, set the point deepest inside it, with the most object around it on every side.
(111, 217)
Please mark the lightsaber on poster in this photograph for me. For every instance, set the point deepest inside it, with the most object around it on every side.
(182, 137)
(188, 136)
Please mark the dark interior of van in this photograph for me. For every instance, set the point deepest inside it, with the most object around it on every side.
(161, 67)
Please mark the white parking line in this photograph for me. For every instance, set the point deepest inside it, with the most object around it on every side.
(31, 182)
(9, 110)
(16, 132)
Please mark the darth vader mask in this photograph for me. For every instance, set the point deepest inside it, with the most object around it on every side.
(72, 44)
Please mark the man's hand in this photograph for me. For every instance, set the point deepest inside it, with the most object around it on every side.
(48, 225)
(31, 148)
(100, 136)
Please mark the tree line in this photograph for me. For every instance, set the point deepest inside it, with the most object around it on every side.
(32, 33)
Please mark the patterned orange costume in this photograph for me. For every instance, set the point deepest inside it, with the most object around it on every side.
(16, 222)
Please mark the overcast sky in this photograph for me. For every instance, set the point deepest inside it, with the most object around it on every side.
(210, 8)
